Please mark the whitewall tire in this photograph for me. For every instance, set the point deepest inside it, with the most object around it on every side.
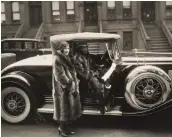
(15, 104)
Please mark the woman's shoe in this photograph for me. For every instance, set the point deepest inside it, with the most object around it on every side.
(70, 128)
(62, 133)
(71, 132)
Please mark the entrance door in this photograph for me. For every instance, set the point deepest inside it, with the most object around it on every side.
(148, 11)
(35, 9)
(90, 13)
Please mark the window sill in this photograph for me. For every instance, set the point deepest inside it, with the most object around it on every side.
(60, 22)
(12, 24)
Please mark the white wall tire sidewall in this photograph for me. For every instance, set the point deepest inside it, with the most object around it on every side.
(130, 97)
(21, 117)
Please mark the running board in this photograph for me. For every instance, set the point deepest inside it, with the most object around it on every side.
(48, 108)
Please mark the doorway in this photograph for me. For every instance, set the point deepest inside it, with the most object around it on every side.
(35, 11)
(90, 13)
(148, 11)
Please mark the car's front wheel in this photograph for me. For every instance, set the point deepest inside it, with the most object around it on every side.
(16, 105)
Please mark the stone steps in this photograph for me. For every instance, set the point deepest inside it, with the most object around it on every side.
(159, 42)
(162, 50)
(31, 33)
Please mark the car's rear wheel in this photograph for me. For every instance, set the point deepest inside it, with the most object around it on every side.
(16, 104)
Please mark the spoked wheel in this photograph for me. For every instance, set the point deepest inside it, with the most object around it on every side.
(15, 104)
(148, 91)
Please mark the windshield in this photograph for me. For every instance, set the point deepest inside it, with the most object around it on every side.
(113, 50)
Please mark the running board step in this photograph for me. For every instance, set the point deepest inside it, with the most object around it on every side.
(116, 111)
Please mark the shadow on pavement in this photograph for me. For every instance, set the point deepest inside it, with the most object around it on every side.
(155, 123)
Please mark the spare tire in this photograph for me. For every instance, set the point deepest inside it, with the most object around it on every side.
(7, 59)
(146, 87)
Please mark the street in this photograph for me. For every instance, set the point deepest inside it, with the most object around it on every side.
(96, 126)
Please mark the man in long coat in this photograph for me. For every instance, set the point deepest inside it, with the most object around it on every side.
(86, 72)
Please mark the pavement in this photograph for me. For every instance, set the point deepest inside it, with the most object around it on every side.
(96, 126)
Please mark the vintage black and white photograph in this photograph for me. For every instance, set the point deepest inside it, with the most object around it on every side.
(86, 68)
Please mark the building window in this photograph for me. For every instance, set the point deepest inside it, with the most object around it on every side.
(127, 10)
(3, 18)
(70, 10)
(111, 9)
(168, 8)
(127, 41)
(16, 12)
(55, 10)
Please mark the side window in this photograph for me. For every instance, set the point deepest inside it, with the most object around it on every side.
(30, 45)
(18, 45)
(41, 45)
(12, 45)
(5, 45)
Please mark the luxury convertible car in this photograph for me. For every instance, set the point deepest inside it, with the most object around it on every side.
(140, 82)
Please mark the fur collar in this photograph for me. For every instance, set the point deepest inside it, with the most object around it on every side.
(64, 60)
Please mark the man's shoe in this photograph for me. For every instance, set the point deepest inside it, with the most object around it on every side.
(103, 110)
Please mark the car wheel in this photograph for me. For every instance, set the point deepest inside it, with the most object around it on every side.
(16, 105)
(147, 88)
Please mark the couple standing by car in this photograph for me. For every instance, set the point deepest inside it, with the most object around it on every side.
(66, 96)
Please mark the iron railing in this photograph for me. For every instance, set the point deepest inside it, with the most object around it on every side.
(19, 32)
(144, 35)
(39, 34)
(166, 31)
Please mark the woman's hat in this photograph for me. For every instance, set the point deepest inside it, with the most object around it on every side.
(63, 45)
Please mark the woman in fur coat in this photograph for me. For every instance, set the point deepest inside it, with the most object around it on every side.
(67, 106)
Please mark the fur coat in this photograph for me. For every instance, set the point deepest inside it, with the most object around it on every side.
(65, 83)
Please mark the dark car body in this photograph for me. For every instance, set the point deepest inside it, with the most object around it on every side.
(22, 47)
(140, 83)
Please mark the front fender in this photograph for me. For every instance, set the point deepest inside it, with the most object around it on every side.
(22, 78)
(164, 106)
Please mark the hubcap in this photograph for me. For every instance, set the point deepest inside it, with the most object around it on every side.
(13, 104)
(148, 91)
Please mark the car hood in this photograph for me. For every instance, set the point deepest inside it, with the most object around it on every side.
(43, 60)
(149, 58)
(46, 60)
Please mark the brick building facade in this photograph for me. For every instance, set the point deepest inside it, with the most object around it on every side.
(141, 24)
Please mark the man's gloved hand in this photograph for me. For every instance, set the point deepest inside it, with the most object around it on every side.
(96, 74)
